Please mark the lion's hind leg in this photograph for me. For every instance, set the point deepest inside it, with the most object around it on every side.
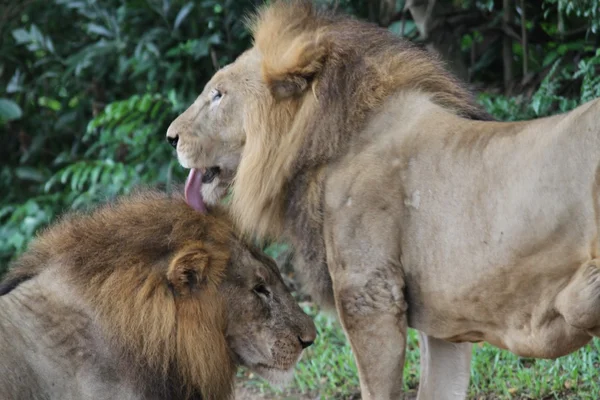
(579, 301)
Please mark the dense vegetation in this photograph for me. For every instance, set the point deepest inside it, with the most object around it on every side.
(88, 88)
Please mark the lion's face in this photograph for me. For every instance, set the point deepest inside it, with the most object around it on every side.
(267, 329)
(209, 136)
(262, 324)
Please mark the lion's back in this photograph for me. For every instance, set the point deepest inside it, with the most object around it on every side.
(49, 346)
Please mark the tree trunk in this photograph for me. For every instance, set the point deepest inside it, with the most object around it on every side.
(524, 41)
(507, 54)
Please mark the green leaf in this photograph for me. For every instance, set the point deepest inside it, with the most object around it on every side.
(50, 46)
(75, 178)
(95, 174)
(29, 174)
(21, 36)
(50, 103)
(17, 240)
(9, 110)
(14, 85)
(550, 57)
(153, 49)
(99, 30)
(145, 104)
(155, 109)
(536, 104)
(64, 176)
(36, 34)
(182, 14)
(200, 48)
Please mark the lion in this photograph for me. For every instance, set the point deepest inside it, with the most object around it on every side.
(407, 205)
(144, 299)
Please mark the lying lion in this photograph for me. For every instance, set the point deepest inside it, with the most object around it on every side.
(144, 299)
(403, 204)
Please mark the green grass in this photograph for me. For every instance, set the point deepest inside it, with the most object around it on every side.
(327, 370)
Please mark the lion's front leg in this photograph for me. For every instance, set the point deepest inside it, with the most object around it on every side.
(372, 311)
(364, 261)
(445, 369)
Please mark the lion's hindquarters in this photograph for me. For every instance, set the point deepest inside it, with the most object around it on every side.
(50, 347)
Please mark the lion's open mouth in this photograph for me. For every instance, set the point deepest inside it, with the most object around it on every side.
(210, 174)
(193, 186)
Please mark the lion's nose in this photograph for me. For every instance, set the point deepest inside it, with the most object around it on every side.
(173, 140)
(307, 331)
(306, 342)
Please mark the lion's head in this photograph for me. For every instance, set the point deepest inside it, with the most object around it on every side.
(210, 135)
(175, 291)
(293, 102)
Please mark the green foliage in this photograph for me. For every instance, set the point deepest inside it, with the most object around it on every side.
(587, 70)
(9, 110)
(549, 99)
(587, 9)
(122, 148)
(84, 105)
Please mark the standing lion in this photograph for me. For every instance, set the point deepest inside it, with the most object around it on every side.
(405, 206)
(145, 299)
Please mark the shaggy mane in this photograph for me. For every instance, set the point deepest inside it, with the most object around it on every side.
(118, 258)
(327, 74)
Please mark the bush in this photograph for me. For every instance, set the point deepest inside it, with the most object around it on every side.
(84, 106)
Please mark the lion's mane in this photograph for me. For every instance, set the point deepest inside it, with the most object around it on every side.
(327, 75)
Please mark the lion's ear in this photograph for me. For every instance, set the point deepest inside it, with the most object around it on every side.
(193, 268)
(290, 74)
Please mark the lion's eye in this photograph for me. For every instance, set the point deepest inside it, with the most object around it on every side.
(261, 290)
(216, 95)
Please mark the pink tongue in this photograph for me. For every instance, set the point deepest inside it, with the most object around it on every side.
(193, 194)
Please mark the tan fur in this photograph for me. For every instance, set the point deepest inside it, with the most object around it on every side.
(406, 207)
(159, 280)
